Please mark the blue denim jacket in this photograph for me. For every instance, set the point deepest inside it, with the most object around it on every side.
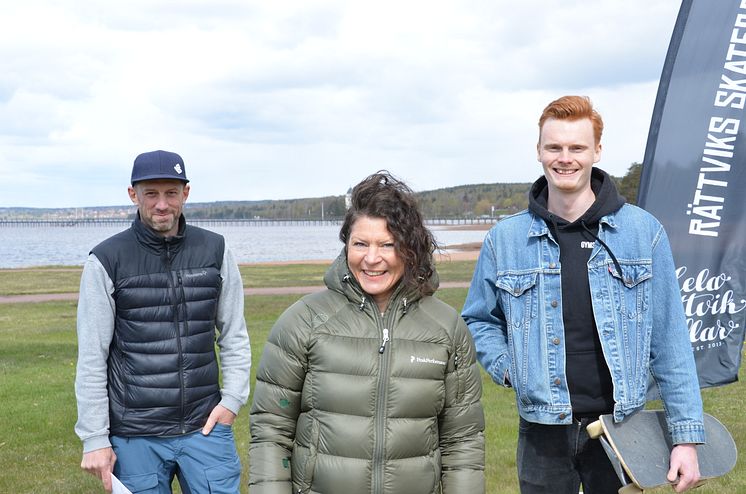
(514, 312)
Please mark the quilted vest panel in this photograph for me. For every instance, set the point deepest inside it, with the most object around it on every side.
(163, 371)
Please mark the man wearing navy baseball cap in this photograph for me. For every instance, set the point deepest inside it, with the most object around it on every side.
(154, 299)
(159, 174)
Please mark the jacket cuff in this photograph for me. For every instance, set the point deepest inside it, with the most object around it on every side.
(96, 442)
(688, 434)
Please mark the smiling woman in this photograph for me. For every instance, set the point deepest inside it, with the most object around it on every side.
(373, 259)
(386, 240)
(372, 384)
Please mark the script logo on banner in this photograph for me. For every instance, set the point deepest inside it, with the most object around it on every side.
(708, 304)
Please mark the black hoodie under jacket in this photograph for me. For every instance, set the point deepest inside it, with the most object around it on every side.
(588, 378)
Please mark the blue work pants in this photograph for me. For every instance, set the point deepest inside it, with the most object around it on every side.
(203, 464)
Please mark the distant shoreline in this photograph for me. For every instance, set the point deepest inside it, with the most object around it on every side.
(456, 252)
(460, 252)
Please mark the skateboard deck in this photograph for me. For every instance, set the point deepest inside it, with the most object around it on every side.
(639, 448)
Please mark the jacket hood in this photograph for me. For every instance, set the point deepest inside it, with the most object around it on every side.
(607, 200)
(339, 279)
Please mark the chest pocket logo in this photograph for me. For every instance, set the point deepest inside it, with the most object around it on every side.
(518, 297)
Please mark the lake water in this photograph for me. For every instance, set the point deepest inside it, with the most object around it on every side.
(69, 246)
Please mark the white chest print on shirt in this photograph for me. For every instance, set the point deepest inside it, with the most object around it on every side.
(587, 245)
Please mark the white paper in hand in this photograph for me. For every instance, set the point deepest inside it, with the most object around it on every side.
(118, 487)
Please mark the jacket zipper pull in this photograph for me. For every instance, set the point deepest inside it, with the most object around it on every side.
(385, 339)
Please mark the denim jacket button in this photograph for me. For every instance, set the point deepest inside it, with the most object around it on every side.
(557, 381)
(554, 303)
(552, 265)
(562, 416)
(556, 341)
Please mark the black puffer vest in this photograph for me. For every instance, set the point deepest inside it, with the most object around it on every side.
(163, 372)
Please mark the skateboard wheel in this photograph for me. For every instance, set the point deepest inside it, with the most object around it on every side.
(595, 430)
(630, 489)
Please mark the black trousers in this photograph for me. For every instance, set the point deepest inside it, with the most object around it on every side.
(557, 459)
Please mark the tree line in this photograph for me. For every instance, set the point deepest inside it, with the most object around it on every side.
(462, 201)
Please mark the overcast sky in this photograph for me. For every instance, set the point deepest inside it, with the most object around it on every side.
(285, 99)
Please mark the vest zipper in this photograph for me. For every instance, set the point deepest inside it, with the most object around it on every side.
(176, 305)
(182, 364)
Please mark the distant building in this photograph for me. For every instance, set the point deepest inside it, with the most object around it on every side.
(348, 198)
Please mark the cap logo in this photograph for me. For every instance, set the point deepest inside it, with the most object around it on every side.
(177, 167)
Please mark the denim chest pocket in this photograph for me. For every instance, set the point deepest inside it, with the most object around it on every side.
(518, 296)
(632, 288)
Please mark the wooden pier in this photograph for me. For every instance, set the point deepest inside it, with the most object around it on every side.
(124, 222)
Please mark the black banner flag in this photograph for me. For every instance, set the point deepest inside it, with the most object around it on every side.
(694, 177)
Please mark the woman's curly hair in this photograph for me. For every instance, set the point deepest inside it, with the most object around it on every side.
(381, 195)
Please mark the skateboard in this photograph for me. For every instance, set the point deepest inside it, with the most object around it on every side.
(639, 449)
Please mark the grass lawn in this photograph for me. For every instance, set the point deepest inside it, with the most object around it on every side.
(28, 281)
(39, 451)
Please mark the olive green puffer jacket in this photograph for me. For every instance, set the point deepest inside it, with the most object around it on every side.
(339, 410)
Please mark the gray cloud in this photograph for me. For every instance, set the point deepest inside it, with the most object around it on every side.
(290, 99)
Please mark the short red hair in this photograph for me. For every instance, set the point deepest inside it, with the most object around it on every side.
(573, 108)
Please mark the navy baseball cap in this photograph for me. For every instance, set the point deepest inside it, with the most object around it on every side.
(158, 165)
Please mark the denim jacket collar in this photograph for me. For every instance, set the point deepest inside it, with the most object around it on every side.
(540, 228)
